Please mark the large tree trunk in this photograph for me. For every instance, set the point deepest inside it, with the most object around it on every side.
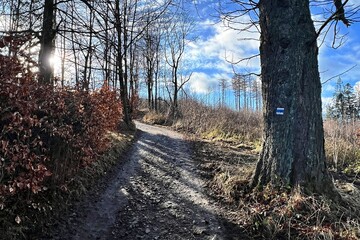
(293, 148)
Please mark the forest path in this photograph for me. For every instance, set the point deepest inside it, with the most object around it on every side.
(156, 193)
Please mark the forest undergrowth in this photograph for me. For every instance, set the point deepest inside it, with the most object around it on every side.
(54, 142)
(227, 144)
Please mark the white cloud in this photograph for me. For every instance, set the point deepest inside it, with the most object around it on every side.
(211, 55)
(202, 83)
(328, 88)
(326, 101)
(219, 45)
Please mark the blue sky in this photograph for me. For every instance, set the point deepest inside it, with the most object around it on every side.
(217, 44)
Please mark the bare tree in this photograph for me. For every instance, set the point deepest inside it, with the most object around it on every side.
(256, 90)
(152, 38)
(176, 40)
(244, 88)
(223, 86)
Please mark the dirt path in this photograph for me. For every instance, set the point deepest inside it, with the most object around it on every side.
(156, 194)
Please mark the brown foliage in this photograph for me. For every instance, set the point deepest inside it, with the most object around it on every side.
(47, 135)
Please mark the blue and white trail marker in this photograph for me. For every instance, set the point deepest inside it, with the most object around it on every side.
(280, 111)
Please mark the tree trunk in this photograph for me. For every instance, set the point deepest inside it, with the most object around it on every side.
(293, 148)
(156, 78)
(63, 58)
(47, 43)
(174, 107)
(121, 60)
(73, 47)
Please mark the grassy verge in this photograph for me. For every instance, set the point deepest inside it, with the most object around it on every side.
(273, 213)
(228, 150)
(153, 117)
(239, 129)
(342, 142)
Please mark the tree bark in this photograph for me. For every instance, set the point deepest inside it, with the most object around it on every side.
(47, 45)
(293, 148)
(121, 55)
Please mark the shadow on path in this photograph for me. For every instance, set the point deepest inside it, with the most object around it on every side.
(155, 193)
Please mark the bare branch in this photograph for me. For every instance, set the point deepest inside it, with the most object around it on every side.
(338, 75)
(334, 16)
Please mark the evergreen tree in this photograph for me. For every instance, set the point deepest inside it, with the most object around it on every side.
(345, 104)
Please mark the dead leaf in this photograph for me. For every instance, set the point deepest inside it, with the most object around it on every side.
(18, 220)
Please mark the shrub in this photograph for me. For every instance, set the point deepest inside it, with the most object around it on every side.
(47, 136)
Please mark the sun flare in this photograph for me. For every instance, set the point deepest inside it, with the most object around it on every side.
(55, 61)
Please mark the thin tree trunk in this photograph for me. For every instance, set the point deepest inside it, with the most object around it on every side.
(63, 55)
(156, 76)
(87, 60)
(47, 43)
(119, 63)
(76, 66)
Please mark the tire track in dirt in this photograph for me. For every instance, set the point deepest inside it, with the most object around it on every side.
(157, 193)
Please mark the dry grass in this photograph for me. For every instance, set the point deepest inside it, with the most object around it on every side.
(153, 117)
(219, 123)
(342, 145)
(274, 213)
(342, 140)
(229, 183)
(280, 214)
(277, 213)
